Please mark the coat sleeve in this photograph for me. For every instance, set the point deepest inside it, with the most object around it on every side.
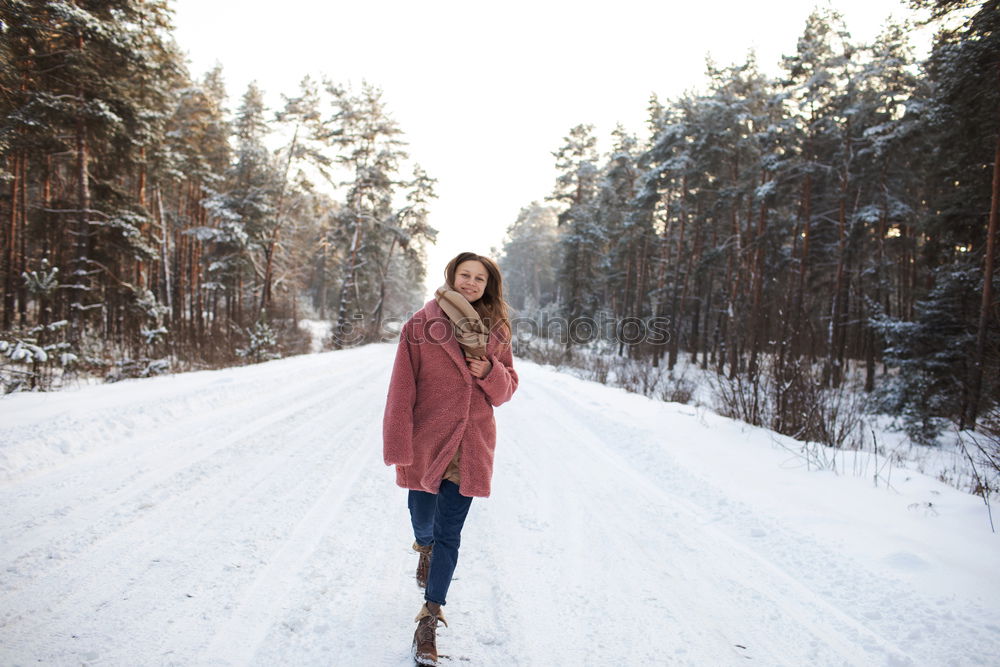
(501, 382)
(397, 422)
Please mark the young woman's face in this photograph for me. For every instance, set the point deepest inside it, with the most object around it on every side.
(471, 278)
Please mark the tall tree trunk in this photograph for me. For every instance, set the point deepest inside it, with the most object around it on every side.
(986, 304)
(638, 305)
(881, 293)
(198, 279)
(733, 280)
(711, 348)
(141, 280)
(10, 242)
(832, 370)
(678, 323)
(347, 286)
(15, 296)
(166, 292)
(21, 263)
(272, 244)
(81, 280)
(660, 261)
(757, 288)
(799, 315)
(379, 307)
(321, 281)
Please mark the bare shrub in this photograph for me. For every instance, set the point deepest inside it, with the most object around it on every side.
(737, 397)
(677, 388)
(839, 421)
(982, 450)
(125, 369)
(638, 376)
(541, 351)
(36, 359)
(989, 445)
(598, 367)
(789, 397)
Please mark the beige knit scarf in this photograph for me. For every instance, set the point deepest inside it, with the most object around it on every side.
(470, 330)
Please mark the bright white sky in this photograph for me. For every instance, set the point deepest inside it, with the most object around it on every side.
(486, 91)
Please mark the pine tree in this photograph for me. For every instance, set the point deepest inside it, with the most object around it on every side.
(246, 207)
(93, 80)
(931, 353)
(529, 259)
(410, 231)
(962, 123)
(813, 80)
(630, 262)
(368, 227)
(126, 212)
(305, 150)
(583, 241)
(887, 143)
(658, 206)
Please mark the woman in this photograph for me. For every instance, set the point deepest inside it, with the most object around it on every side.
(453, 366)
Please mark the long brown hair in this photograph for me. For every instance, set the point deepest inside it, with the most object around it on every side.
(490, 306)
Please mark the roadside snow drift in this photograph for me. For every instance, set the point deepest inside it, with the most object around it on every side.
(245, 517)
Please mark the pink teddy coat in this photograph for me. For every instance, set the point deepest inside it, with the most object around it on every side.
(435, 405)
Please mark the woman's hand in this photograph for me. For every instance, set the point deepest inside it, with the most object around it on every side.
(479, 368)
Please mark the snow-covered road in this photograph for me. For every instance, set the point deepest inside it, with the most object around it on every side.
(245, 517)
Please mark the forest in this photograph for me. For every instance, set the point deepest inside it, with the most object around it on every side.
(822, 239)
(828, 229)
(148, 227)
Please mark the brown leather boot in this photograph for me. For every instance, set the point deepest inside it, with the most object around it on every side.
(424, 564)
(425, 637)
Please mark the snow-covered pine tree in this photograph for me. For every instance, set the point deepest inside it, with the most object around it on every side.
(530, 260)
(813, 83)
(116, 169)
(401, 274)
(302, 116)
(245, 210)
(888, 153)
(931, 353)
(371, 151)
(660, 187)
(91, 80)
(962, 187)
(190, 169)
(583, 240)
(627, 266)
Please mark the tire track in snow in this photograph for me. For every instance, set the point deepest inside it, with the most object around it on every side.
(601, 480)
(756, 572)
(159, 470)
(355, 599)
(290, 544)
(237, 640)
(94, 480)
(201, 495)
(563, 514)
(204, 499)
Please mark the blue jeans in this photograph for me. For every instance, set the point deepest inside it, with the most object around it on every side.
(438, 519)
